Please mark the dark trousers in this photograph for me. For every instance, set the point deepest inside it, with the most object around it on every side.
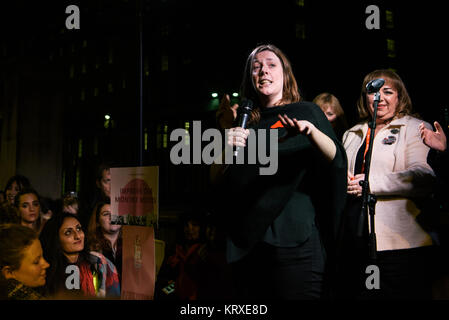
(403, 274)
(288, 273)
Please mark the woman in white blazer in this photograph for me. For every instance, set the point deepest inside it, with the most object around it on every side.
(399, 177)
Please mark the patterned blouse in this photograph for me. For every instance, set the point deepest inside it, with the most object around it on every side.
(12, 289)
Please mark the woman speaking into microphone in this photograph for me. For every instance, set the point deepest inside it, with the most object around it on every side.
(281, 228)
(399, 177)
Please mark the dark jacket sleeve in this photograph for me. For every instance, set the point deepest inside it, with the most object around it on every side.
(251, 202)
(331, 185)
(439, 162)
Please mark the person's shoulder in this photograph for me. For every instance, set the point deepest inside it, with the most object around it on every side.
(414, 122)
(357, 126)
(355, 130)
(97, 257)
(102, 260)
(12, 289)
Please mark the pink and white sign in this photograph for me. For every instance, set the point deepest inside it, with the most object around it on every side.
(139, 266)
(134, 195)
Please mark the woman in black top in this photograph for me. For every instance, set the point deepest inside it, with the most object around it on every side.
(279, 224)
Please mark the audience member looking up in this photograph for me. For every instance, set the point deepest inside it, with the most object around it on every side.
(65, 247)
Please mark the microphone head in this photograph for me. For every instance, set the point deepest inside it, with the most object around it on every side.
(246, 106)
(374, 85)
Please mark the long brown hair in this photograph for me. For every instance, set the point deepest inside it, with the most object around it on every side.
(97, 240)
(23, 192)
(404, 102)
(290, 90)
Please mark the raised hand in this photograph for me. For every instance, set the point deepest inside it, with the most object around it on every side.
(433, 139)
(295, 127)
(226, 114)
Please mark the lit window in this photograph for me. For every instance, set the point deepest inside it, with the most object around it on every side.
(187, 138)
(77, 180)
(107, 121)
(391, 50)
(300, 31)
(164, 63)
(145, 140)
(80, 148)
(164, 137)
(389, 19)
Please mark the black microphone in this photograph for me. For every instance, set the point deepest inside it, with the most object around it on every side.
(245, 112)
(374, 85)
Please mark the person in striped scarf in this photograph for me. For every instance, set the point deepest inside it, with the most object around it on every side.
(76, 272)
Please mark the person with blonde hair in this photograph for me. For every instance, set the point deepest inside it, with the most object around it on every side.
(333, 111)
(22, 264)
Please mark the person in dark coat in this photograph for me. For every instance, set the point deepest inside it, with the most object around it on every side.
(282, 221)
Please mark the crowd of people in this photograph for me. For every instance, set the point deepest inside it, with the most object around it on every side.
(42, 241)
(57, 236)
(300, 233)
